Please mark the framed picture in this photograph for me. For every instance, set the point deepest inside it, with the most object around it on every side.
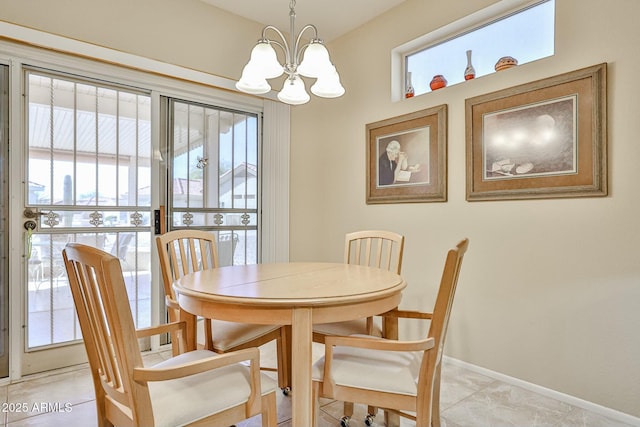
(407, 158)
(545, 139)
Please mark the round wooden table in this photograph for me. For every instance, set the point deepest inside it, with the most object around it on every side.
(296, 294)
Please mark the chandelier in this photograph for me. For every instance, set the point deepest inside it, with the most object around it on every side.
(315, 64)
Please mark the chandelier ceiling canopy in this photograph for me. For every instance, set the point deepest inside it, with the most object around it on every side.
(310, 60)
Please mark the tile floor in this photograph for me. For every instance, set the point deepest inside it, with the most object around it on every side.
(66, 398)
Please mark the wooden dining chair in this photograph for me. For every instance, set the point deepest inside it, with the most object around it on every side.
(186, 251)
(373, 248)
(407, 373)
(194, 388)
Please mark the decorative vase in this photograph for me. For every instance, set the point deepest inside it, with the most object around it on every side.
(506, 62)
(438, 82)
(408, 90)
(469, 72)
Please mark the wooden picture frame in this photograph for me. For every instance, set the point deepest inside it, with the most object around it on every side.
(545, 139)
(418, 173)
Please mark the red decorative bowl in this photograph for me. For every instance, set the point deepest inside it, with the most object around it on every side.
(438, 82)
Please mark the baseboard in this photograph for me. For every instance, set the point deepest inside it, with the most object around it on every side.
(571, 400)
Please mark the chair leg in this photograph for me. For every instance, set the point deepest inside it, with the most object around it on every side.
(435, 400)
(284, 360)
(315, 402)
(369, 325)
(390, 331)
(392, 419)
(269, 415)
(175, 344)
(282, 383)
(371, 414)
(208, 334)
(348, 408)
(348, 413)
(283, 352)
(176, 336)
(101, 409)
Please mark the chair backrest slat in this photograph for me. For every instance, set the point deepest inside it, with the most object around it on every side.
(184, 259)
(375, 248)
(191, 255)
(185, 251)
(172, 258)
(104, 341)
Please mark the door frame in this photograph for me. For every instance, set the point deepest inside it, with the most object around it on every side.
(138, 72)
(4, 280)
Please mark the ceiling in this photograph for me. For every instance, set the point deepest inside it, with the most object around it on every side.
(332, 18)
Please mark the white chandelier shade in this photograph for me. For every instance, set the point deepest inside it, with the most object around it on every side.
(252, 82)
(315, 63)
(328, 85)
(265, 61)
(293, 92)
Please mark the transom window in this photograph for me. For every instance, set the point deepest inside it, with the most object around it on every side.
(526, 34)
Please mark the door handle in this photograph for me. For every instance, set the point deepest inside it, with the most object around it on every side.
(28, 213)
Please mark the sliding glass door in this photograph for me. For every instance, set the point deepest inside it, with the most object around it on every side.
(88, 180)
(214, 176)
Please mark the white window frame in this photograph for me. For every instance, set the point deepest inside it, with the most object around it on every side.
(470, 22)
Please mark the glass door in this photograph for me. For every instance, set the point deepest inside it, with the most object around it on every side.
(215, 176)
(88, 180)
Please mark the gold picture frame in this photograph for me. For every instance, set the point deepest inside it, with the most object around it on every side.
(407, 158)
(545, 139)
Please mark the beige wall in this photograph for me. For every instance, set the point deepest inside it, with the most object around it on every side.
(550, 289)
(181, 32)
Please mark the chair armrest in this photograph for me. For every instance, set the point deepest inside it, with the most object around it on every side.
(161, 329)
(407, 314)
(378, 343)
(144, 375)
(171, 303)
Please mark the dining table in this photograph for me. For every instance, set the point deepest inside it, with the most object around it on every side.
(298, 294)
